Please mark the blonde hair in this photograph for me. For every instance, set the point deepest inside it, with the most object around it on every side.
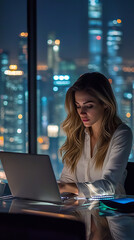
(98, 86)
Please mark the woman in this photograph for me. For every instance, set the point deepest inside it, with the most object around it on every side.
(98, 143)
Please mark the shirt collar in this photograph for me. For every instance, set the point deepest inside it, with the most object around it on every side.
(87, 132)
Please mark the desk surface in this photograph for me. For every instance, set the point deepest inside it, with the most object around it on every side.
(101, 222)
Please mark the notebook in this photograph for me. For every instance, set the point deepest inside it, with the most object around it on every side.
(31, 176)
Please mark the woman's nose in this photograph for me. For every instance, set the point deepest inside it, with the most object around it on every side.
(83, 110)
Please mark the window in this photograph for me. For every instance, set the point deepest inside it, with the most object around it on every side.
(73, 37)
(13, 77)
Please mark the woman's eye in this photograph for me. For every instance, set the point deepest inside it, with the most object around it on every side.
(78, 107)
(85, 107)
(90, 106)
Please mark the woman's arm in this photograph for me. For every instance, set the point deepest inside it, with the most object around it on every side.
(68, 188)
(67, 181)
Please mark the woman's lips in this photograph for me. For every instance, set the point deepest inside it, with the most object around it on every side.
(85, 120)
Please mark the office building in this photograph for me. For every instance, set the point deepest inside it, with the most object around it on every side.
(95, 35)
(114, 59)
(15, 136)
(53, 49)
(42, 109)
(128, 75)
(56, 136)
(22, 52)
(4, 64)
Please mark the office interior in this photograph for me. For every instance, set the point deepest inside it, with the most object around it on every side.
(45, 46)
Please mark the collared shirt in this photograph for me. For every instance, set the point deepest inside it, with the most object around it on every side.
(110, 178)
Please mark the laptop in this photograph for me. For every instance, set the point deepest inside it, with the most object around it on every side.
(31, 176)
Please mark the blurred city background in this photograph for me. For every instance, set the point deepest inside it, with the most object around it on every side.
(73, 37)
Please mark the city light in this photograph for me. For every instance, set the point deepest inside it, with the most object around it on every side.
(44, 142)
(23, 34)
(95, 31)
(20, 116)
(55, 77)
(38, 77)
(128, 95)
(49, 42)
(119, 21)
(109, 43)
(42, 67)
(40, 140)
(56, 48)
(55, 89)
(128, 69)
(5, 103)
(98, 37)
(115, 33)
(61, 77)
(57, 42)
(44, 146)
(61, 82)
(13, 67)
(19, 130)
(13, 73)
(1, 141)
(2, 130)
(114, 22)
(24, 49)
(52, 130)
(128, 115)
(116, 69)
(11, 139)
(92, 2)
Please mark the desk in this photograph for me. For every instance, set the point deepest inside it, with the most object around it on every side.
(99, 225)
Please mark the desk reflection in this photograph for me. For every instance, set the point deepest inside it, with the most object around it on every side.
(120, 227)
(116, 226)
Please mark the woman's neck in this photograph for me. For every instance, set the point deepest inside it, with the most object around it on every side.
(94, 133)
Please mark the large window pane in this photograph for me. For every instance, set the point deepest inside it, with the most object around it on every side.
(13, 76)
(74, 37)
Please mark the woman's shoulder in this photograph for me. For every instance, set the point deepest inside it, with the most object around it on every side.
(123, 126)
(123, 129)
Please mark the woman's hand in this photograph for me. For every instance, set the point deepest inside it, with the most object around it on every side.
(68, 187)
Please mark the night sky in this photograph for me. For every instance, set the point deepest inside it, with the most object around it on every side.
(68, 19)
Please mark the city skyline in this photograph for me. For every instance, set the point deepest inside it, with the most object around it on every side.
(79, 33)
(69, 23)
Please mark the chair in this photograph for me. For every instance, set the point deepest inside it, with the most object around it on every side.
(129, 183)
(31, 227)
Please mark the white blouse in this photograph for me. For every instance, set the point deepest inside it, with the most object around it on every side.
(111, 177)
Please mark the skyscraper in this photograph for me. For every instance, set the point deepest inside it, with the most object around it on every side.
(53, 53)
(114, 58)
(23, 53)
(4, 63)
(95, 35)
(14, 111)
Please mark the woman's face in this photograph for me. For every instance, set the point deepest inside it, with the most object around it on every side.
(89, 109)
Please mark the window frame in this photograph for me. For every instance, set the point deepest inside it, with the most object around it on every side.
(32, 83)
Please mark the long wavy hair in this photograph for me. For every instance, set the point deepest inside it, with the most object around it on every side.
(98, 86)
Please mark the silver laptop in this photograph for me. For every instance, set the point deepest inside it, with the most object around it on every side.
(30, 176)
